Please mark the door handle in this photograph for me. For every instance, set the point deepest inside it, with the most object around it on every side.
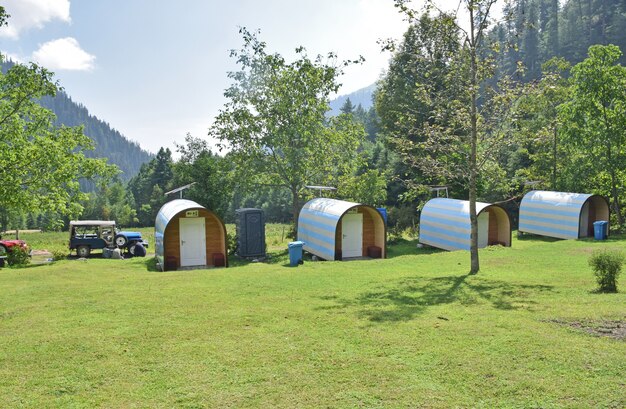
(182, 242)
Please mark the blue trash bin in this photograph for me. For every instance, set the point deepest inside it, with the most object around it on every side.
(600, 230)
(383, 212)
(295, 253)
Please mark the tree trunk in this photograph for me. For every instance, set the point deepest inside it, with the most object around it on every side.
(554, 144)
(474, 263)
(295, 208)
(616, 206)
(609, 160)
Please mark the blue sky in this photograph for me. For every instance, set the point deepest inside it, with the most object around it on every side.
(155, 70)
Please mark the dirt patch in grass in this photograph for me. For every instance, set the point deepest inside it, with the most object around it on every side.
(615, 329)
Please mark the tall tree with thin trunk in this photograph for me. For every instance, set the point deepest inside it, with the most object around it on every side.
(465, 122)
(274, 122)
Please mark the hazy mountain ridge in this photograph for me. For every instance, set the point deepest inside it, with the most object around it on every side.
(361, 96)
(110, 143)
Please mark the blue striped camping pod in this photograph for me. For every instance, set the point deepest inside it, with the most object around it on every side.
(335, 229)
(561, 215)
(445, 224)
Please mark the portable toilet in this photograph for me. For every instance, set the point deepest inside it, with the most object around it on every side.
(250, 227)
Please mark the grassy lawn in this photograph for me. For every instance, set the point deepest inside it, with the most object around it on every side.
(410, 331)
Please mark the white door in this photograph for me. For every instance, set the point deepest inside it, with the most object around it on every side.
(352, 231)
(483, 230)
(192, 242)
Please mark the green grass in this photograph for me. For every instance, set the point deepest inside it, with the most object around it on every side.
(411, 331)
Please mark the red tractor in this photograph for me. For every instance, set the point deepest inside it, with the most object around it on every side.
(6, 246)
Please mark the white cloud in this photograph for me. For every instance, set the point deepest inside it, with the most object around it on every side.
(64, 54)
(27, 14)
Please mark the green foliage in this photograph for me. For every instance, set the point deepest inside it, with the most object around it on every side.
(58, 255)
(406, 97)
(369, 187)
(607, 266)
(400, 220)
(231, 243)
(274, 122)
(212, 174)
(594, 119)
(111, 201)
(40, 163)
(18, 257)
(148, 188)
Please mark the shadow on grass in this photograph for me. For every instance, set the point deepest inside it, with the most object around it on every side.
(276, 257)
(534, 237)
(403, 247)
(412, 297)
(151, 264)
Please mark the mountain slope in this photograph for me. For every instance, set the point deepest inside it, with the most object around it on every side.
(126, 154)
(362, 96)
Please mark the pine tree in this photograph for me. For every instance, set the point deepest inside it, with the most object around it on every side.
(347, 107)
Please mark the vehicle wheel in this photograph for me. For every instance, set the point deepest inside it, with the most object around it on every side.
(120, 241)
(138, 250)
(3, 250)
(83, 251)
(131, 249)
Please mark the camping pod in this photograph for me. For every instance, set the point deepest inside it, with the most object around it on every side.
(561, 215)
(189, 235)
(337, 230)
(445, 224)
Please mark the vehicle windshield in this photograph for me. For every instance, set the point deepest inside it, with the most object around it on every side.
(86, 232)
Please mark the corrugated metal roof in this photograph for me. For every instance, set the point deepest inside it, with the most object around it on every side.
(171, 209)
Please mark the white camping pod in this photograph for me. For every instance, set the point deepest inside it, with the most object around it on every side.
(561, 215)
(445, 224)
(335, 229)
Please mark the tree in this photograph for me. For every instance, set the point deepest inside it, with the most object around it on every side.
(274, 121)
(211, 173)
(148, 187)
(452, 136)
(40, 163)
(347, 107)
(531, 44)
(534, 127)
(594, 119)
(407, 95)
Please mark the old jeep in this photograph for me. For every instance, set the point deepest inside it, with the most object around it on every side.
(88, 235)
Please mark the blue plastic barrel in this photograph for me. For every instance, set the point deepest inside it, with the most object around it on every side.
(600, 230)
(383, 212)
(295, 253)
